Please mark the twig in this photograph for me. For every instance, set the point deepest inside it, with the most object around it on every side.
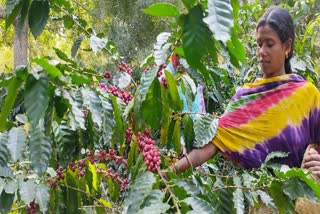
(240, 187)
(183, 113)
(87, 193)
(18, 208)
(170, 191)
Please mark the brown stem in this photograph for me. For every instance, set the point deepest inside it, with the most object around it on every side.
(2, 13)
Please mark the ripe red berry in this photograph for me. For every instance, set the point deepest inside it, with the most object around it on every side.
(107, 75)
(159, 73)
(175, 60)
(81, 163)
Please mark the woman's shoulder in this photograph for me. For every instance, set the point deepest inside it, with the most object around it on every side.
(311, 88)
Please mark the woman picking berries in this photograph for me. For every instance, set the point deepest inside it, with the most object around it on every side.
(278, 112)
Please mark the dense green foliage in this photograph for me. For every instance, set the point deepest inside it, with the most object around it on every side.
(71, 136)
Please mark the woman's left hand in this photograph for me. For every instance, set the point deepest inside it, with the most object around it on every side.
(311, 162)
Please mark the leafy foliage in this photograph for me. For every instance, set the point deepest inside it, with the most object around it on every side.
(78, 147)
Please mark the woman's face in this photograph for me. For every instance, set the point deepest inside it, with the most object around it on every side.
(271, 52)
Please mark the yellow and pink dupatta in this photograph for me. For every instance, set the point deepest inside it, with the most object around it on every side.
(272, 114)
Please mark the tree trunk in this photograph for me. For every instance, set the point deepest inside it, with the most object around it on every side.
(20, 43)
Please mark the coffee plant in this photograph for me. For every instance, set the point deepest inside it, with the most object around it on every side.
(78, 140)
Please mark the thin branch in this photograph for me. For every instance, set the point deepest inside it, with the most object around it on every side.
(87, 193)
(81, 5)
(183, 113)
(240, 187)
(175, 200)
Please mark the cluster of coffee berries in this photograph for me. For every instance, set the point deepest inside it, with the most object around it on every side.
(147, 69)
(124, 183)
(125, 68)
(150, 152)
(160, 69)
(94, 158)
(160, 75)
(128, 135)
(32, 207)
(109, 173)
(120, 93)
(60, 174)
(164, 82)
(107, 74)
(81, 168)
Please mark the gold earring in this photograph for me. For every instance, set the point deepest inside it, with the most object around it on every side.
(287, 53)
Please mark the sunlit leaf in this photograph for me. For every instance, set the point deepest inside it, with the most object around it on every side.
(16, 142)
(92, 100)
(5, 171)
(4, 151)
(139, 190)
(27, 190)
(42, 197)
(36, 98)
(50, 69)
(205, 127)
(108, 121)
(40, 148)
(97, 44)
(189, 187)
(11, 186)
(238, 199)
(161, 48)
(219, 19)
(153, 203)
(199, 205)
(276, 154)
(121, 79)
(105, 203)
(162, 9)
(146, 81)
(76, 109)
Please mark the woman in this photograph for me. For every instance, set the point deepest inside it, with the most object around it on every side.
(279, 112)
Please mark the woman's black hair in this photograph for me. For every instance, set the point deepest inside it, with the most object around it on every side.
(281, 22)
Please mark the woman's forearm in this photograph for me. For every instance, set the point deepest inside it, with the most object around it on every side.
(196, 157)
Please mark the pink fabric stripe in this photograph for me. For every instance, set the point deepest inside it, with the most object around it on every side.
(254, 108)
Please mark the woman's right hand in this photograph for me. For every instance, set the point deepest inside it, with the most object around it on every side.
(311, 162)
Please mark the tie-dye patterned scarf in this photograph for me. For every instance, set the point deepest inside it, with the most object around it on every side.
(272, 114)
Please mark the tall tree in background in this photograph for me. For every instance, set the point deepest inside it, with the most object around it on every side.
(20, 47)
